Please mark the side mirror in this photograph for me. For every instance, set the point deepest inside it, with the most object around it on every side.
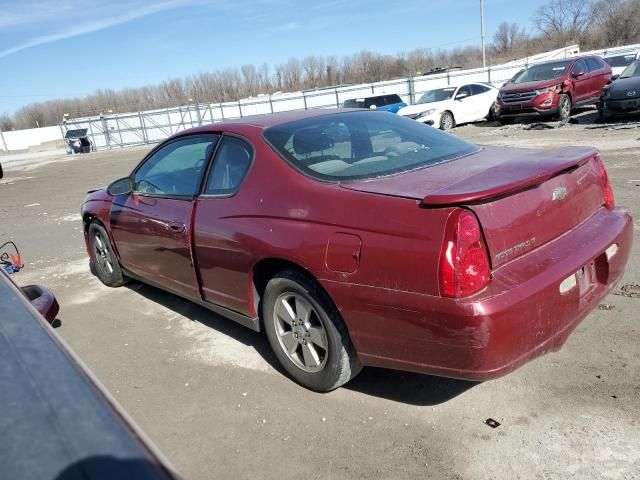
(373, 107)
(122, 186)
(614, 77)
(462, 95)
(577, 73)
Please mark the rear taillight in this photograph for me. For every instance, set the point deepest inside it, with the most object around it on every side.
(606, 184)
(464, 264)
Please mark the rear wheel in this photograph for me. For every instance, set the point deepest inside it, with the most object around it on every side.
(307, 334)
(104, 260)
(447, 121)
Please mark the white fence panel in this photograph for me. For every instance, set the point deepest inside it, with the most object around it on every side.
(153, 126)
(23, 139)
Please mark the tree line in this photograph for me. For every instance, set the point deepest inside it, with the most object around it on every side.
(590, 23)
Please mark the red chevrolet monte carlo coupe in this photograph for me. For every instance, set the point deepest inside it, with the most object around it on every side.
(363, 238)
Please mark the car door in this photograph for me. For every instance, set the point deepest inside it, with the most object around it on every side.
(582, 83)
(597, 72)
(223, 259)
(151, 227)
(463, 105)
(483, 98)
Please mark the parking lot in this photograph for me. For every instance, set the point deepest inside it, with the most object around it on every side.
(209, 392)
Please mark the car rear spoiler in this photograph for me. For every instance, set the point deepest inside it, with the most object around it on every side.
(507, 178)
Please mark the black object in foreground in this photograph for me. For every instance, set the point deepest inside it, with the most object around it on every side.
(57, 422)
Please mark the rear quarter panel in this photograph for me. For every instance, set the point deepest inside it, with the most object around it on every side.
(280, 213)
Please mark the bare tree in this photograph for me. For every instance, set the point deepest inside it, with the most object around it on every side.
(6, 123)
(564, 21)
(617, 22)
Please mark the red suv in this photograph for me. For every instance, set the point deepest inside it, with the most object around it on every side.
(553, 88)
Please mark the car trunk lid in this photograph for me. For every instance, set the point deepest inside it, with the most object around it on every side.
(523, 198)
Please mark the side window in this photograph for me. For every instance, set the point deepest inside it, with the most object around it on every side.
(593, 64)
(477, 89)
(175, 169)
(230, 166)
(580, 66)
(464, 89)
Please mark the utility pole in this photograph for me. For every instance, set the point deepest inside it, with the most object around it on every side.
(484, 58)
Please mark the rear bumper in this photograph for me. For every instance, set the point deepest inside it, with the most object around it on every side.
(519, 316)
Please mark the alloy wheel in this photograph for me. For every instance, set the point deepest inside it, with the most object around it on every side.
(300, 331)
(102, 254)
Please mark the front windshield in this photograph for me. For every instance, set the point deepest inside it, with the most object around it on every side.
(362, 145)
(546, 71)
(632, 70)
(437, 95)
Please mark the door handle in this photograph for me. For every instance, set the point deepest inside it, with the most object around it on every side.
(176, 227)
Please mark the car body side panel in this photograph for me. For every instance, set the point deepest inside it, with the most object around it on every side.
(153, 239)
(292, 217)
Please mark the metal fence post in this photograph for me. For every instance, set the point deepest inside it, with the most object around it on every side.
(337, 97)
(105, 129)
(412, 89)
(4, 143)
(489, 74)
(304, 100)
(143, 127)
(240, 108)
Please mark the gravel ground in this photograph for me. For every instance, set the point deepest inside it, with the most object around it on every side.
(209, 393)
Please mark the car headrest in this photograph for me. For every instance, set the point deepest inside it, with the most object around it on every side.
(312, 139)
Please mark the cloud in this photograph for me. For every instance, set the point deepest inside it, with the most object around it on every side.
(89, 26)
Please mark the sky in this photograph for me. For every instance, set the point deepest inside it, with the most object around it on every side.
(69, 48)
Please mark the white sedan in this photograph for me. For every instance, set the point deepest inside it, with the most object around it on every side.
(450, 106)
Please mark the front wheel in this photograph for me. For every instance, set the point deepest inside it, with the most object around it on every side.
(447, 121)
(564, 108)
(103, 258)
(307, 334)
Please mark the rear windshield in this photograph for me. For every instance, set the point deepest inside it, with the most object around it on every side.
(379, 101)
(546, 71)
(362, 145)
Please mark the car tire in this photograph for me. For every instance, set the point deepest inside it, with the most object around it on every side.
(447, 122)
(493, 112)
(307, 333)
(564, 108)
(103, 259)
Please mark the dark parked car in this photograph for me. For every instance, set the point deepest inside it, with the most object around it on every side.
(387, 103)
(622, 96)
(553, 88)
(57, 422)
(396, 245)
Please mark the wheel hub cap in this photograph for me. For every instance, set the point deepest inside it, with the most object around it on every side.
(301, 334)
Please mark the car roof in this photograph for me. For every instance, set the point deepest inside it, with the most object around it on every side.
(261, 122)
